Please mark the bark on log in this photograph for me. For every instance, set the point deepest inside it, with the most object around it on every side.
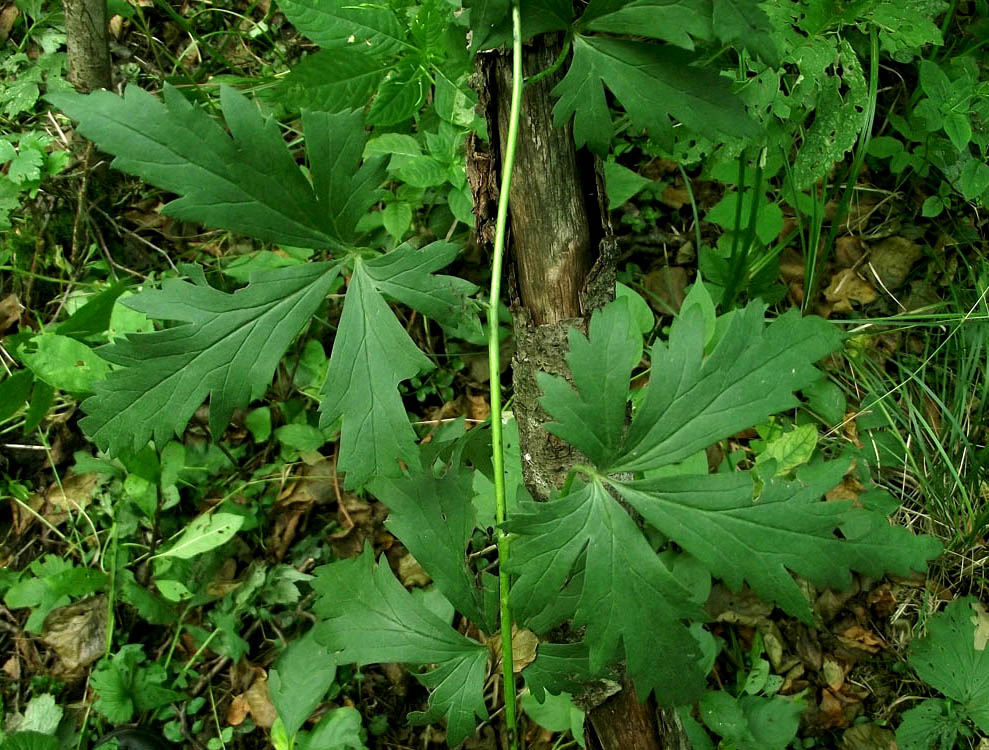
(562, 257)
(87, 45)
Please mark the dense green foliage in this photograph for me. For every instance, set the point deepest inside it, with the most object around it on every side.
(362, 211)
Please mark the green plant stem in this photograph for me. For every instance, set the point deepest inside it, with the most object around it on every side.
(494, 372)
(729, 292)
(693, 207)
(557, 63)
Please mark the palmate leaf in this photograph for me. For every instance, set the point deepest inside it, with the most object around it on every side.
(485, 15)
(695, 399)
(367, 617)
(372, 354)
(247, 181)
(760, 540)
(336, 24)
(538, 17)
(592, 419)
(653, 83)
(227, 347)
(558, 667)
(679, 22)
(695, 396)
(407, 275)
(628, 597)
(931, 725)
(332, 80)
(434, 519)
(745, 22)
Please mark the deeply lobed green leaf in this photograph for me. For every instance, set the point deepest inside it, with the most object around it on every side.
(593, 419)
(368, 617)
(227, 347)
(653, 83)
(695, 398)
(339, 24)
(435, 520)
(712, 379)
(628, 597)
(246, 181)
(742, 537)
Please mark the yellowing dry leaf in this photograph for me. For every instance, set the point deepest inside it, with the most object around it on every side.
(77, 635)
(891, 260)
(525, 643)
(667, 288)
(675, 196)
(858, 637)
(238, 711)
(411, 573)
(846, 287)
(848, 250)
(10, 309)
(260, 705)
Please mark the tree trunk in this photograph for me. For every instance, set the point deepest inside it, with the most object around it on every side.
(563, 257)
(87, 44)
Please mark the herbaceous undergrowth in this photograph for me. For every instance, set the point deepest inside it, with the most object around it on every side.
(227, 346)
(579, 559)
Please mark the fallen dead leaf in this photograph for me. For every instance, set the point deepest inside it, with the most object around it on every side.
(239, 708)
(849, 489)
(830, 711)
(77, 635)
(891, 260)
(772, 641)
(56, 502)
(478, 408)
(867, 737)
(791, 680)
(259, 703)
(831, 602)
(254, 701)
(667, 288)
(791, 265)
(807, 647)
(862, 638)
(76, 492)
(848, 250)
(7, 17)
(367, 519)
(743, 608)
(882, 600)
(116, 26)
(12, 668)
(675, 196)
(411, 573)
(314, 485)
(10, 306)
(397, 675)
(525, 643)
(847, 287)
(834, 673)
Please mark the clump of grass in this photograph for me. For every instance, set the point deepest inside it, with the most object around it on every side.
(924, 417)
